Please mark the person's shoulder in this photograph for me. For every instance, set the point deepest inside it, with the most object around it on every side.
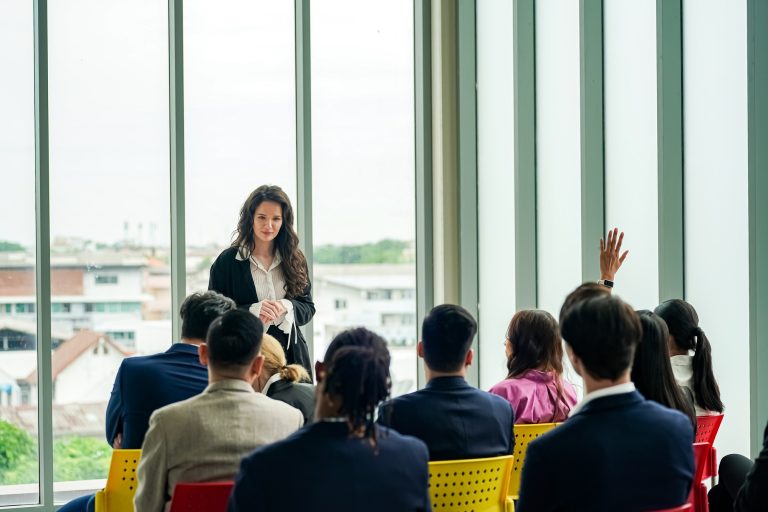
(274, 408)
(665, 417)
(183, 408)
(227, 255)
(401, 443)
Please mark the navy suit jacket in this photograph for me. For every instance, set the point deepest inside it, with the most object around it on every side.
(620, 452)
(147, 383)
(454, 419)
(321, 467)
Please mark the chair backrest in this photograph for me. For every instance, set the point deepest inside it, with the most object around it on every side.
(524, 434)
(478, 485)
(201, 497)
(707, 427)
(122, 480)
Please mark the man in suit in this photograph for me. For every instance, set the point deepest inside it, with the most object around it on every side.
(147, 383)
(203, 438)
(455, 420)
(617, 451)
(743, 485)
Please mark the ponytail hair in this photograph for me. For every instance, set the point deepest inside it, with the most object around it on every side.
(683, 324)
(359, 376)
(275, 362)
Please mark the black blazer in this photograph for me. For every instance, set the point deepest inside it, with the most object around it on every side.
(753, 495)
(321, 467)
(620, 452)
(232, 278)
(146, 383)
(298, 395)
(454, 419)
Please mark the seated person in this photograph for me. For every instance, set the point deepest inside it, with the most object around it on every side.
(617, 451)
(534, 385)
(147, 383)
(285, 382)
(691, 371)
(652, 371)
(203, 438)
(456, 420)
(343, 462)
(743, 485)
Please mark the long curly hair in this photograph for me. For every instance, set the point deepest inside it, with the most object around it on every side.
(294, 265)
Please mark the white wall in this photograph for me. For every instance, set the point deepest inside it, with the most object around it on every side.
(716, 230)
(631, 183)
(496, 183)
(89, 378)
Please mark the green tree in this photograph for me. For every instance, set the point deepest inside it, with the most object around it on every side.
(80, 458)
(18, 455)
(383, 251)
(6, 246)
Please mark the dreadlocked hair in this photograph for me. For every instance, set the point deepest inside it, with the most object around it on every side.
(359, 375)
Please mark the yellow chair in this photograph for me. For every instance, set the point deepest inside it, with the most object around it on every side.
(478, 485)
(524, 434)
(122, 481)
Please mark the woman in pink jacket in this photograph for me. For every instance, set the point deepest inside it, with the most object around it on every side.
(534, 384)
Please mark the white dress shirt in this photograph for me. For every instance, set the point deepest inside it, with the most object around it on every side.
(618, 389)
(270, 285)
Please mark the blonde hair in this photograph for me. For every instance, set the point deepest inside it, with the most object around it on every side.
(275, 362)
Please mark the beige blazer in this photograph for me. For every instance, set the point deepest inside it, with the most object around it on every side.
(202, 439)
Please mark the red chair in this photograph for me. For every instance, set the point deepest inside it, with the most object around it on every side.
(698, 497)
(201, 497)
(682, 508)
(706, 431)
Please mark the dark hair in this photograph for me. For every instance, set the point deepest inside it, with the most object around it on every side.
(199, 310)
(603, 332)
(447, 333)
(683, 324)
(652, 371)
(286, 242)
(355, 337)
(582, 292)
(234, 339)
(534, 340)
(358, 372)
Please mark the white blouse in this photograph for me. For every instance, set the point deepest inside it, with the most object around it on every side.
(270, 285)
(682, 368)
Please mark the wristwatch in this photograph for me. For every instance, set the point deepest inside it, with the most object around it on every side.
(606, 282)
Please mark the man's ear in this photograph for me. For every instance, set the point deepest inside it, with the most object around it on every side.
(257, 365)
(575, 361)
(202, 353)
(420, 349)
(319, 371)
(468, 359)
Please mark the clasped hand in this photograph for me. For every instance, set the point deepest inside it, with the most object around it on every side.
(271, 310)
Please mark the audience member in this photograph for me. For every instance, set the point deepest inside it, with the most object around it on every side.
(743, 485)
(691, 371)
(456, 420)
(617, 451)
(652, 371)
(534, 384)
(343, 462)
(285, 382)
(203, 438)
(147, 383)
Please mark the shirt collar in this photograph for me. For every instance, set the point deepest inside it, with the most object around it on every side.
(448, 382)
(229, 385)
(618, 389)
(256, 263)
(183, 347)
(272, 380)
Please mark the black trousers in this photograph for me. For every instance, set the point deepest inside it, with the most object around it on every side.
(733, 473)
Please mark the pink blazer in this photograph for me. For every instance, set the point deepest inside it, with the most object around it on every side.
(533, 397)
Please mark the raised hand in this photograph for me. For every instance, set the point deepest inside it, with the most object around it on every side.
(611, 257)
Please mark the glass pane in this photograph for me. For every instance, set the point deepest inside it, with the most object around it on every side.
(631, 181)
(558, 155)
(18, 327)
(716, 216)
(240, 117)
(496, 182)
(363, 175)
(109, 215)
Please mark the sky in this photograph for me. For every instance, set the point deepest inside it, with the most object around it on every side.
(108, 93)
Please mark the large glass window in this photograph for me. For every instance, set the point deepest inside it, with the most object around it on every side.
(18, 328)
(240, 117)
(108, 65)
(631, 182)
(496, 182)
(716, 216)
(363, 175)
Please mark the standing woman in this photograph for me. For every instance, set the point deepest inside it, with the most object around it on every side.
(265, 272)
